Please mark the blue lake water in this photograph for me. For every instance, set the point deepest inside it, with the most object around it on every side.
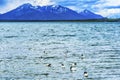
(27, 47)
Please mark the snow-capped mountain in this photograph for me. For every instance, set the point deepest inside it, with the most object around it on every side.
(51, 12)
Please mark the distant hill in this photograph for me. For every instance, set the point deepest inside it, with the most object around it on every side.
(51, 12)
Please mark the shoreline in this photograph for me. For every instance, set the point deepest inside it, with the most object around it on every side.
(59, 20)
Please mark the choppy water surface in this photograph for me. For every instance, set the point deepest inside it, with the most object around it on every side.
(26, 49)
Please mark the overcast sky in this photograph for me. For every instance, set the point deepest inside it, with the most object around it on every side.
(107, 8)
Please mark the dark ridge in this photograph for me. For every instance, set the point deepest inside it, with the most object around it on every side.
(89, 20)
(56, 20)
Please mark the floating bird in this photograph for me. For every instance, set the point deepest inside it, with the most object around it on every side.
(82, 56)
(85, 74)
(63, 66)
(41, 58)
(48, 65)
(46, 74)
(73, 67)
(45, 52)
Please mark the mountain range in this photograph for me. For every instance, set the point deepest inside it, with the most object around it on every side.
(51, 12)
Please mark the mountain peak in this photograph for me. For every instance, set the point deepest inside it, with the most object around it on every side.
(26, 5)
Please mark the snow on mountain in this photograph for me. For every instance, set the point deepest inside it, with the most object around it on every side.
(90, 15)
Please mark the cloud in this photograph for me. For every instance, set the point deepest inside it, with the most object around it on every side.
(43, 2)
(112, 7)
(90, 2)
(109, 12)
(111, 2)
(107, 7)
